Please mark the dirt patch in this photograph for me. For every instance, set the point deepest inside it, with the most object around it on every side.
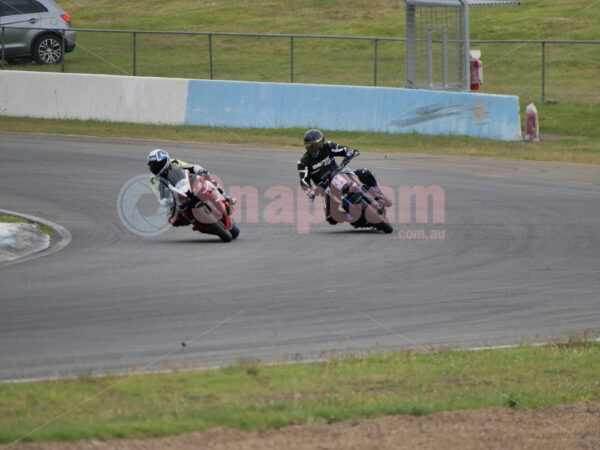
(545, 137)
(557, 427)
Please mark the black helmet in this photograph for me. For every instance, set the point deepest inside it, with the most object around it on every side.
(158, 160)
(314, 141)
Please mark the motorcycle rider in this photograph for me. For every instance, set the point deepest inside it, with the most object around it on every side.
(169, 171)
(319, 160)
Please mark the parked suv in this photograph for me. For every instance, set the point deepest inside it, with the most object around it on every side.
(33, 28)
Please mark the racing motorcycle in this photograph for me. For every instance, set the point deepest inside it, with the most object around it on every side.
(351, 201)
(204, 207)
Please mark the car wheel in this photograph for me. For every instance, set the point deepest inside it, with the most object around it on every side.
(47, 49)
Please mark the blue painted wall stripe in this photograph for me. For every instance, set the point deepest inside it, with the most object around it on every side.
(351, 108)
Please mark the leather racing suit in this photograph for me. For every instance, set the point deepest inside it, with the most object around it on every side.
(314, 170)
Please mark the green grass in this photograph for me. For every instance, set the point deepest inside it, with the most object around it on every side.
(6, 218)
(45, 229)
(574, 150)
(509, 69)
(254, 397)
(572, 84)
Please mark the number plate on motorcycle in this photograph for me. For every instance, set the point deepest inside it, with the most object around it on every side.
(338, 182)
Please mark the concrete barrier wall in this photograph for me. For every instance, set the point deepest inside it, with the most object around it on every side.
(352, 108)
(257, 105)
(96, 97)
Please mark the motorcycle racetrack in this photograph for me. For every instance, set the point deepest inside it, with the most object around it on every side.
(500, 252)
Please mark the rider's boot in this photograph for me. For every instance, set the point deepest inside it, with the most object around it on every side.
(330, 220)
(380, 197)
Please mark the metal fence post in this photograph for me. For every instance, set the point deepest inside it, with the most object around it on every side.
(543, 72)
(467, 44)
(63, 51)
(291, 59)
(2, 48)
(210, 55)
(375, 65)
(134, 54)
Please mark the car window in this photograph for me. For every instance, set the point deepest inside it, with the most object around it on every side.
(15, 7)
(38, 7)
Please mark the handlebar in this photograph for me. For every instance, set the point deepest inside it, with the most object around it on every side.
(327, 177)
(347, 160)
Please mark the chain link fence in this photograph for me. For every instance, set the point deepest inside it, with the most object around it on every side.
(435, 45)
(534, 70)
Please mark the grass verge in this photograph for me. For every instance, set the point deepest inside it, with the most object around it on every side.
(254, 397)
(6, 218)
(581, 150)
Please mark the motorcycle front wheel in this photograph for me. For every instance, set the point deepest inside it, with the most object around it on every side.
(385, 227)
(220, 230)
(381, 226)
(235, 231)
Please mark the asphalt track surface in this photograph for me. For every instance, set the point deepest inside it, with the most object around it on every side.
(519, 260)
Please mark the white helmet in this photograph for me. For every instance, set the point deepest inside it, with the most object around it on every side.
(158, 161)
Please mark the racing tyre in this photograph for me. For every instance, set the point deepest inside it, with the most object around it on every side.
(235, 231)
(385, 227)
(221, 231)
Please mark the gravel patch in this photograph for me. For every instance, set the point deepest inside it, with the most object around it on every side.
(553, 427)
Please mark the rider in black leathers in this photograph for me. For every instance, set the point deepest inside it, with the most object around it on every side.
(319, 160)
